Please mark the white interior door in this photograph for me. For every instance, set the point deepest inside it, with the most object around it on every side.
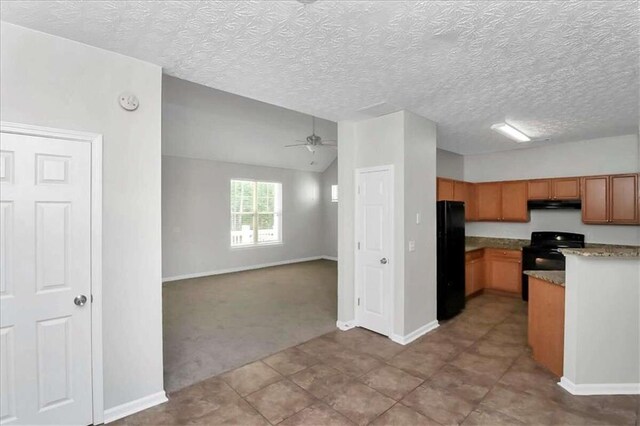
(374, 235)
(45, 247)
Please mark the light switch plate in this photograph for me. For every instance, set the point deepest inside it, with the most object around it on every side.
(412, 246)
(417, 218)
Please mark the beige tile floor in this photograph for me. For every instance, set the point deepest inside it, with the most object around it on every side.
(474, 370)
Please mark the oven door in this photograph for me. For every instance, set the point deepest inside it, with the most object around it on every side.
(539, 259)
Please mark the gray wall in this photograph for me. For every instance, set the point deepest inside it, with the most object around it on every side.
(201, 122)
(420, 265)
(449, 165)
(54, 82)
(330, 211)
(196, 216)
(590, 157)
(408, 142)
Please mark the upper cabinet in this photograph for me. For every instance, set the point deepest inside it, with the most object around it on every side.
(539, 189)
(610, 199)
(445, 189)
(489, 199)
(514, 201)
(554, 189)
(565, 188)
(502, 201)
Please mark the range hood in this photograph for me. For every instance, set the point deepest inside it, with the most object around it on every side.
(554, 204)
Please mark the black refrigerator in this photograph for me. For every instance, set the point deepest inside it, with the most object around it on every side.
(450, 289)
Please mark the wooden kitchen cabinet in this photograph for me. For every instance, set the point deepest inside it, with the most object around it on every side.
(539, 189)
(503, 270)
(489, 199)
(546, 324)
(514, 201)
(554, 189)
(445, 189)
(565, 188)
(474, 272)
(610, 199)
(595, 203)
(459, 191)
(623, 199)
(470, 204)
(502, 201)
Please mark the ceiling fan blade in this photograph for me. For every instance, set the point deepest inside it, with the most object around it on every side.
(296, 144)
(311, 150)
(329, 143)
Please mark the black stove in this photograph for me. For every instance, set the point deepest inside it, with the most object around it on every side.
(544, 255)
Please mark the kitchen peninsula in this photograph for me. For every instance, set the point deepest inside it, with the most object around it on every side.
(584, 324)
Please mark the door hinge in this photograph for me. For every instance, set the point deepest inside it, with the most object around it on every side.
(358, 245)
(92, 298)
(358, 189)
(358, 301)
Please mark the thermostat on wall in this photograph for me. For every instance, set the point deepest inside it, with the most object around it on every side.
(129, 101)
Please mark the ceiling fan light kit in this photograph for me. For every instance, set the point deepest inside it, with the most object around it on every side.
(313, 141)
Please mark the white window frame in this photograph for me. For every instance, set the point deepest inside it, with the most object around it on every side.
(277, 215)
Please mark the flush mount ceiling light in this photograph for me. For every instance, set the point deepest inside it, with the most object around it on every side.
(510, 132)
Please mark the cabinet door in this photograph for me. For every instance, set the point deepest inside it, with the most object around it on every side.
(514, 201)
(470, 204)
(468, 277)
(506, 275)
(540, 189)
(488, 197)
(566, 188)
(595, 199)
(445, 189)
(478, 275)
(459, 191)
(624, 199)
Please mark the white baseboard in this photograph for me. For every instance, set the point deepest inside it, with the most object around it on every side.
(129, 408)
(244, 268)
(335, 259)
(345, 325)
(600, 388)
(405, 340)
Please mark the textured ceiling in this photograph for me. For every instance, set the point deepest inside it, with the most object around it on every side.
(559, 70)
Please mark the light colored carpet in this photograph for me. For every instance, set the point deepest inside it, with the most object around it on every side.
(218, 323)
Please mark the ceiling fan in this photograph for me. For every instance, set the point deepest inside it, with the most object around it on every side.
(314, 141)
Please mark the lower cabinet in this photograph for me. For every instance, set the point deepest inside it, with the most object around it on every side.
(474, 272)
(504, 270)
(546, 324)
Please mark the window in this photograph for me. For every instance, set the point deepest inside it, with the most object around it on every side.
(334, 193)
(256, 209)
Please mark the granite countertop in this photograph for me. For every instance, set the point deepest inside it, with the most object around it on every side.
(478, 243)
(602, 250)
(553, 277)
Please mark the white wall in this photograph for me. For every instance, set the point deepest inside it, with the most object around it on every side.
(591, 157)
(420, 266)
(407, 142)
(330, 211)
(54, 82)
(602, 323)
(201, 122)
(449, 165)
(196, 216)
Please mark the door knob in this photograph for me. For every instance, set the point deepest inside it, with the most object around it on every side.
(383, 260)
(80, 300)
